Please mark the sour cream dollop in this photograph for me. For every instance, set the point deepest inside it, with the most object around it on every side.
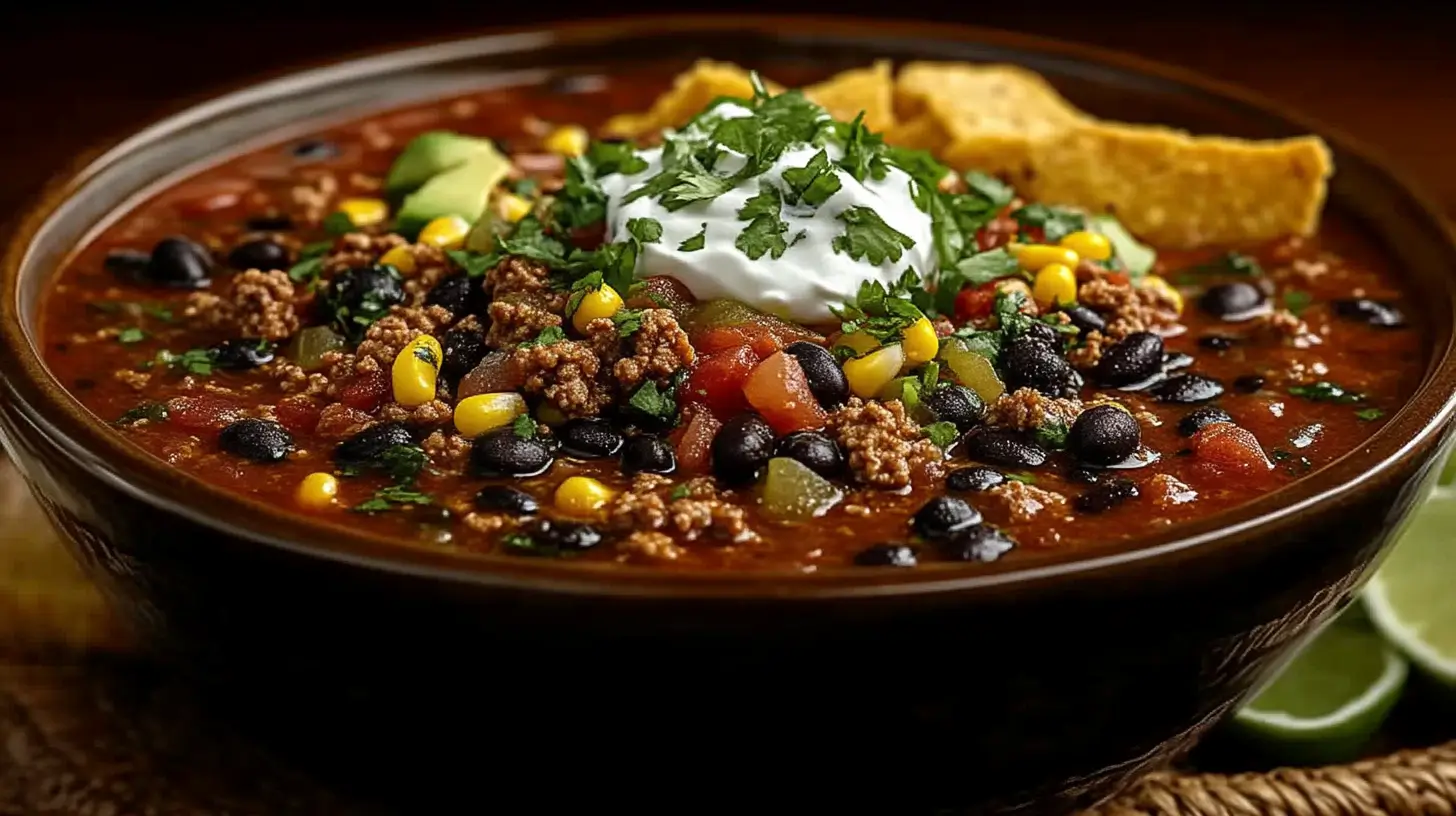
(810, 276)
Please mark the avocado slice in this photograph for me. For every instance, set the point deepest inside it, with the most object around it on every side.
(463, 190)
(430, 154)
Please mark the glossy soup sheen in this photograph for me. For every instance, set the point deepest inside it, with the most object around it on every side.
(88, 341)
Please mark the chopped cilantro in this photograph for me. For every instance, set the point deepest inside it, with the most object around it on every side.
(338, 223)
(646, 230)
(989, 192)
(388, 498)
(1369, 414)
(583, 286)
(518, 541)
(883, 314)
(1012, 321)
(1056, 223)
(651, 400)
(863, 151)
(1051, 433)
(813, 183)
(1024, 478)
(306, 270)
(696, 242)
(317, 249)
(985, 343)
(941, 434)
(131, 334)
(524, 427)
(549, 336)
(149, 411)
(1296, 301)
(973, 270)
(680, 491)
(766, 227)
(930, 376)
(425, 354)
(1323, 391)
(526, 188)
(1228, 264)
(198, 361)
(867, 237)
(475, 264)
(627, 321)
(403, 463)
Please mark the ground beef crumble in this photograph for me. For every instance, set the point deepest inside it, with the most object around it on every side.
(1088, 352)
(431, 267)
(565, 373)
(257, 304)
(358, 249)
(1128, 308)
(649, 545)
(338, 421)
(702, 513)
(518, 318)
(448, 452)
(1284, 326)
(1027, 409)
(434, 412)
(389, 335)
(659, 348)
(886, 448)
(1022, 502)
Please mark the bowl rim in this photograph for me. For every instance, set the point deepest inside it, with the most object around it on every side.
(42, 403)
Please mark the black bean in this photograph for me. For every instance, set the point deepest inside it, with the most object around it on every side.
(588, 438)
(310, 150)
(503, 453)
(826, 380)
(1135, 359)
(504, 499)
(366, 446)
(1375, 313)
(260, 253)
(998, 446)
(890, 554)
(1043, 332)
(1187, 388)
(126, 263)
(459, 294)
(1248, 383)
(978, 543)
(1084, 475)
(261, 440)
(942, 516)
(464, 349)
(647, 454)
(567, 536)
(955, 404)
(1085, 319)
(1104, 435)
(356, 297)
(974, 479)
(741, 449)
(1175, 360)
(1232, 301)
(814, 451)
(1218, 342)
(241, 354)
(1072, 388)
(179, 263)
(1030, 363)
(1105, 496)
(1194, 421)
(269, 223)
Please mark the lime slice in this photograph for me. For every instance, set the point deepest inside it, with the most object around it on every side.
(1410, 598)
(1326, 703)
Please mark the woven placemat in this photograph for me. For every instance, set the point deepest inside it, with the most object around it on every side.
(87, 728)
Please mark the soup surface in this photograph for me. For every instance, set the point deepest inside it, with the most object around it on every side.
(502, 337)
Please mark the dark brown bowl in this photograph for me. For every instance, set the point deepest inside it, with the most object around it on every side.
(1040, 687)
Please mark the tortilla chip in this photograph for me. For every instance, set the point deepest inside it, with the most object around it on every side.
(921, 133)
(1177, 190)
(870, 90)
(691, 91)
(988, 112)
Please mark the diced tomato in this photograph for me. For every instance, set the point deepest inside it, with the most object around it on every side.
(717, 381)
(761, 339)
(1117, 278)
(997, 233)
(779, 391)
(974, 303)
(202, 412)
(590, 236)
(662, 292)
(364, 392)
(298, 414)
(1229, 448)
(695, 442)
(718, 324)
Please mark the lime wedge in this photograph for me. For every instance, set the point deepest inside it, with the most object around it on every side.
(1326, 703)
(1410, 599)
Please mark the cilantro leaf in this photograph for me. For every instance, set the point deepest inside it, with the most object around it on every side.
(1055, 222)
(1024, 478)
(863, 151)
(813, 183)
(403, 463)
(1296, 301)
(581, 200)
(197, 361)
(130, 334)
(387, 498)
(1369, 414)
(765, 231)
(529, 240)
(1051, 433)
(1007, 308)
(652, 401)
(627, 321)
(867, 237)
(306, 270)
(1234, 264)
(646, 230)
(149, 411)
(1324, 391)
(549, 336)
(696, 242)
(941, 434)
(475, 264)
(973, 270)
(680, 491)
(583, 286)
(524, 427)
(990, 193)
(883, 314)
(338, 223)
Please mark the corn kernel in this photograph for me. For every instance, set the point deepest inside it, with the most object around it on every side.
(867, 375)
(920, 342)
(861, 342)
(400, 258)
(1054, 285)
(1093, 246)
(603, 302)
(317, 491)
(568, 140)
(486, 412)
(582, 496)
(416, 368)
(512, 207)
(1169, 292)
(446, 232)
(1033, 257)
(364, 212)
